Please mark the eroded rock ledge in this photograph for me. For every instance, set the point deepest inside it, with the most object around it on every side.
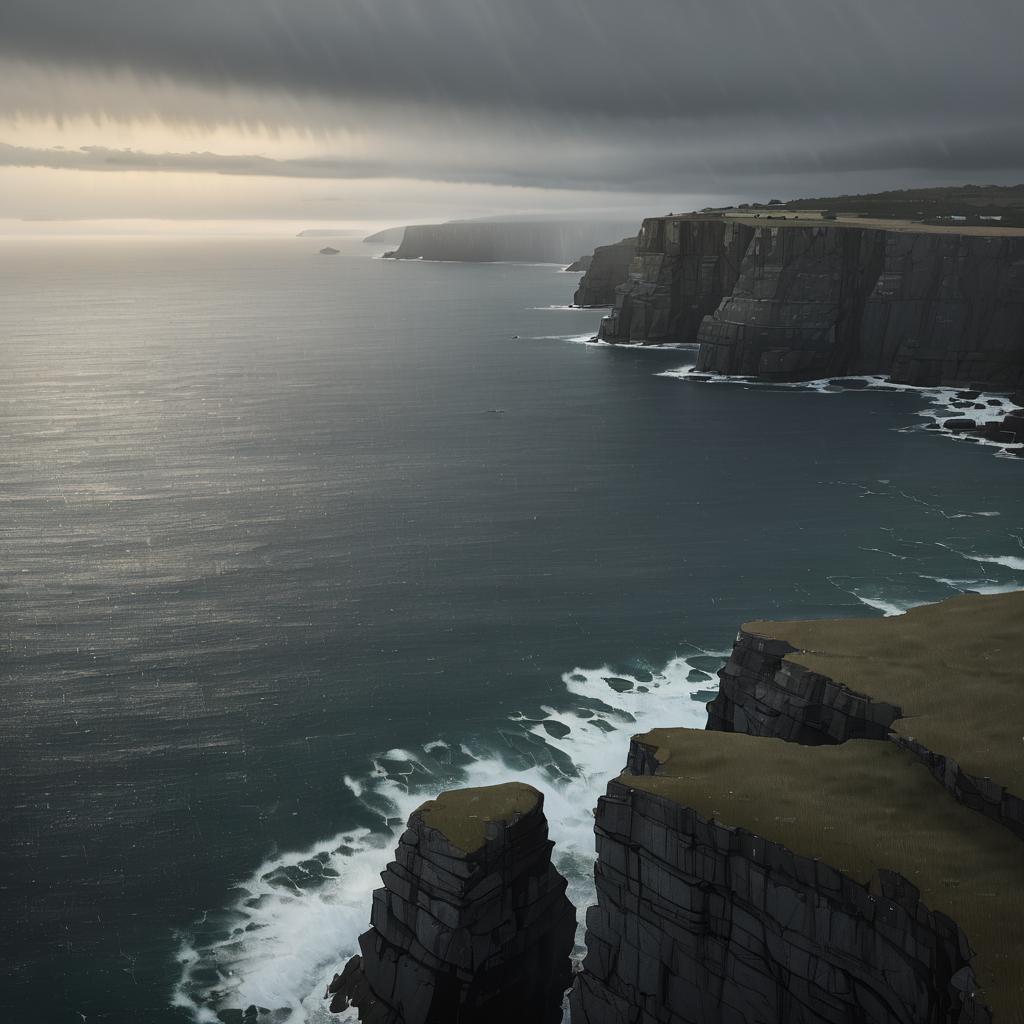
(943, 681)
(797, 301)
(472, 924)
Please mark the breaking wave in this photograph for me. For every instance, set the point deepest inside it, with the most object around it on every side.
(294, 922)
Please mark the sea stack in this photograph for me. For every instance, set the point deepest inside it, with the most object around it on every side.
(472, 923)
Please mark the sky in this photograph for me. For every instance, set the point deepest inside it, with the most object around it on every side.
(376, 112)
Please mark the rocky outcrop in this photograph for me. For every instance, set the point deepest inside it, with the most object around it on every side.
(760, 693)
(607, 268)
(505, 241)
(912, 679)
(745, 880)
(798, 301)
(472, 923)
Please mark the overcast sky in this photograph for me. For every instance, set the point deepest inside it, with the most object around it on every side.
(396, 110)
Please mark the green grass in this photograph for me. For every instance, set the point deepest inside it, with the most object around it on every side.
(461, 815)
(955, 668)
(858, 807)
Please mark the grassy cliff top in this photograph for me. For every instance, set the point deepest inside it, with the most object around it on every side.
(858, 807)
(789, 217)
(461, 815)
(955, 668)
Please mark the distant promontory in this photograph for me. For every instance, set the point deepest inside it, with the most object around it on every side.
(519, 241)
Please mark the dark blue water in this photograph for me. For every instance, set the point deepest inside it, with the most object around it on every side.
(289, 542)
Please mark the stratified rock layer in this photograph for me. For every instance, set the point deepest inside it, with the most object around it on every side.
(798, 301)
(681, 272)
(472, 924)
(746, 880)
(944, 681)
(606, 269)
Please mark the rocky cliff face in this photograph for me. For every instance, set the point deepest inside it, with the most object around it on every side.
(714, 905)
(762, 694)
(792, 302)
(681, 272)
(472, 923)
(606, 269)
(747, 879)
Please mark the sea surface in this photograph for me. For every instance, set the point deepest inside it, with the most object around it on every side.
(288, 543)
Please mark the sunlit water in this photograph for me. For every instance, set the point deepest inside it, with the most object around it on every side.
(291, 542)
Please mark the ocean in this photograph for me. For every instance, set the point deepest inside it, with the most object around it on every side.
(289, 543)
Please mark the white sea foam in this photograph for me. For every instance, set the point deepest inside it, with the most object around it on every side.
(1009, 561)
(985, 586)
(887, 608)
(637, 347)
(295, 920)
(940, 399)
(578, 339)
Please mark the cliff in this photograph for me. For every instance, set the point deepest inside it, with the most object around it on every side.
(745, 879)
(828, 878)
(605, 270)
(799, 300)
(505, 241)
(472, 923)
(942, 681)
(842, 844)
(389, 236)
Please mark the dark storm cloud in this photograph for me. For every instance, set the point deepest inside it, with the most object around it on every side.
(650, 58)
(656, 168)
(651, 94)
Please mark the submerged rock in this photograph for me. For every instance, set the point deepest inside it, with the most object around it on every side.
(472, 924)
(329, 250)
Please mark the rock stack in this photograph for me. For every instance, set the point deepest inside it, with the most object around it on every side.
(472, 923)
